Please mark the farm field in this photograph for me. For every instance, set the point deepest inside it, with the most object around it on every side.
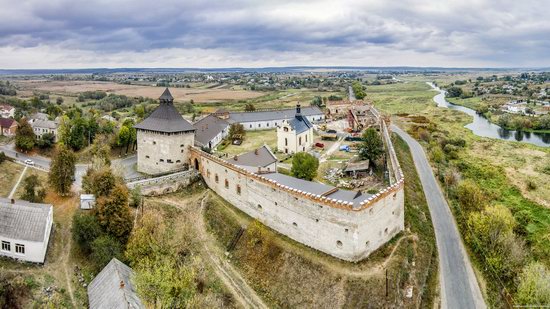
(180, 94)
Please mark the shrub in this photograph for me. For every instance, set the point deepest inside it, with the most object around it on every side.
(534, 286)
(304, 166)
(104, 248)
(531, 185)
(85, 230)
(470, 196)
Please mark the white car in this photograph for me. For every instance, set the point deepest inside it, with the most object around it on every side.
(29, 162)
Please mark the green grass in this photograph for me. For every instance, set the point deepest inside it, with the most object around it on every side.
(401, 98)
(9, 174)
(253, 140)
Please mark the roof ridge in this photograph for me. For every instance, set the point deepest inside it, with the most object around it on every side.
(116, 265)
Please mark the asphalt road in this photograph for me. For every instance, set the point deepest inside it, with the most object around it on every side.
(125, 164)
(459, 287)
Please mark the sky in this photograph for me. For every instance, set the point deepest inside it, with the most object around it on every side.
(64, 34)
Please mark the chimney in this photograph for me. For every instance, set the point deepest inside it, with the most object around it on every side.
(12, 201)
(298, 110)
(256, 152)
(122, 284)
(235, 158)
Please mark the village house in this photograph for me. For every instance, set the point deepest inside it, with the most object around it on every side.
(8, 126)
(41, 127)
(25, 229)
(295, 134)
(210, 131)
(163, 139)
(113, 288)
(7, 111)
(259, 160)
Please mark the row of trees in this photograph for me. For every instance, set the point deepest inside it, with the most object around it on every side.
(359, 90)
(517, 122)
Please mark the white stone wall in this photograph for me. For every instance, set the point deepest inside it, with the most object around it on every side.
(161, 152)
(271, 124)
(290, 142)
(344, 233)
(38, 131)
(34, 251)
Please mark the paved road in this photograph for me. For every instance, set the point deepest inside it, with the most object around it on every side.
(459, 287)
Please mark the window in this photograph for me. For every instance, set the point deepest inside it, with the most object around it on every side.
(386, 231)
(169, 161)
(226, 184)
(268, 124)
(259, 206)
(19, 248)
(216, 178)
(286, 129)
(146, 157)
(295, 224)
(178, 161)
(316, 220)
(181, 145)
(367, 244)
(251, 126)
(286, 141)
(338, 244)
(306, 138)
(238, 189)
(6, 246)
(346, 230)
(259, 125)
(161, 160)
(208, 173)
(154, 143)
(182, 151)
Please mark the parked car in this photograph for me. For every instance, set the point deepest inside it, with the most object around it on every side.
(320, 145)
(331, 131)
(29, 162)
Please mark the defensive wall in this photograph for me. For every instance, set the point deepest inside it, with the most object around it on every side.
(165, 184)
(342, 229)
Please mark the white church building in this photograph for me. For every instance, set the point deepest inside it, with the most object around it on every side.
(295, 134)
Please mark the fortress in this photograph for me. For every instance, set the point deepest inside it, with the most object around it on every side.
(345, 224)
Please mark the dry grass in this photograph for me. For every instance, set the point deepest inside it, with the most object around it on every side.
(42, 176)
(180, 94)
(253, 140)
(9, 174)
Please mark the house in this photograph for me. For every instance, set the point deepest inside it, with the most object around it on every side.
(41, 127)
(87, 201)
(8, 126)
(296, 134)
(113, 288)
(261, 159)
(263, 120)
(25, 229)
(163, 139)
(7, 111)
(210, 131)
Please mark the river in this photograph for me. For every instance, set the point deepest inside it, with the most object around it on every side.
(481, 126)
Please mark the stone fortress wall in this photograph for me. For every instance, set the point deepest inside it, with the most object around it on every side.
(161, 152)
(335, 227)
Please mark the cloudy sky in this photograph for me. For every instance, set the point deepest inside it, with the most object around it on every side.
(189, 33)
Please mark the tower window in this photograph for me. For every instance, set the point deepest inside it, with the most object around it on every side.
(238, 189)
(226, 184)
(338, 244)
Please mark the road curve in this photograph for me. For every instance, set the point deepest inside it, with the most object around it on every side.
(459, 287)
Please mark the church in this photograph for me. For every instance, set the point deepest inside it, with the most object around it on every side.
(163, 139)
(296, 134)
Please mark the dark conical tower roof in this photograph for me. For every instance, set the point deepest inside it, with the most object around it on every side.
(166, 96)
(165, 118)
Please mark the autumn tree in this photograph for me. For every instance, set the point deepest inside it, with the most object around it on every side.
(62, 170)
(25, 138)
(236, 130)
(99, 182)
(33, 190)
(304, 166)
(249, 107)
(113, 213)
(371, 147)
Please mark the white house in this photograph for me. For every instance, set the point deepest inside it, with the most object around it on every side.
(296, 134)
(265, 120)
(210, 131)
(25, 229)
(7, 111)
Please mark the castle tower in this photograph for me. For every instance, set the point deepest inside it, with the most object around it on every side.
(163, 139)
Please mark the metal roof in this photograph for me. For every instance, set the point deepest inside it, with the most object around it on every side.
(23, 220)
(260, 157)
(48, 124)
(280, 114)
(300, 124)
(7, 122)
(207, 128)
(113, 288)
(165, 118)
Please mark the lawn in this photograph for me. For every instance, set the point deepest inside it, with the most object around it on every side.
(253, 140)
(9, 174)
(42, 176)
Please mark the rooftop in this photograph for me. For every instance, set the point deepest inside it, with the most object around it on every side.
(280, 114)
(260, 157)
(40, 123)
(207, 128)
(113, 288)
(165, 118)
(299, 123)
(7, 122)
(23, 220)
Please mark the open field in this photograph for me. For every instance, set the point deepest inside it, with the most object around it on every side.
(180, 94)
(9, 174)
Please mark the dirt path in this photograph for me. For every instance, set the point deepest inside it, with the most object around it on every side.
(331, 150)
(12, 193)
(236, 284)
(66, 266)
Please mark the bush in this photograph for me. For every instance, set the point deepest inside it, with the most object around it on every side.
(104, 248)
(304, 166)
(531, 185)
(470, 196)
(85, 230)
(534, 286)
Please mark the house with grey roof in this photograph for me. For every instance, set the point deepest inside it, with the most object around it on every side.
(270, 119)
(25, 229)
(41, 127)
(258, 160)
(163, 139)
(113, 288)
(295, 134)
(210, 131)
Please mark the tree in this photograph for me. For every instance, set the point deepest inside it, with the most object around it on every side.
(454, 92)
(236, 130)
(62, 170)
(534, 285)
(113, 213)
(85, 230)
(304, 166)
(104, 249)
(99, 182)
(59, 100)
(46, 141)
(149, 238)
(249, 107)
(24, 136)
(135, 197)
(358, 90)
(470, 196)
(3, 157)
(371, 147)
(33, 190)
(317, 101)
